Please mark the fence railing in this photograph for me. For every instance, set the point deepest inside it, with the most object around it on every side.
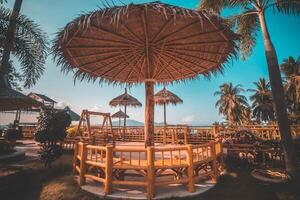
(147, 167)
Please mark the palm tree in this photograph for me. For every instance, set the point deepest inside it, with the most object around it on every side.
(26, 41)
(291, 70)
(248, 22)
(262, 102)
(232, 103)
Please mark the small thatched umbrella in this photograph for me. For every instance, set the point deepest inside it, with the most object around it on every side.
(121, 115)
(145, 43)
(165, 97)
(125, 100)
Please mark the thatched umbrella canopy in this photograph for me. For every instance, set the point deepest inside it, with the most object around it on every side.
(165, 97)
(125, 100)
(121, 115)
(145, 43)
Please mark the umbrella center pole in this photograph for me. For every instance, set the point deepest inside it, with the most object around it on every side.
(149, 114)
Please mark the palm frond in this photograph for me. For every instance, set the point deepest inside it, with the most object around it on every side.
(30, 46)
(247, 25)
(287, 6)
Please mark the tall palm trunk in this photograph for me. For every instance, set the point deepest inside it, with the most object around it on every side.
(278, 97)
(9, 36)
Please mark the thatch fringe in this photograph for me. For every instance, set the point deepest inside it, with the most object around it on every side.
(83, 22)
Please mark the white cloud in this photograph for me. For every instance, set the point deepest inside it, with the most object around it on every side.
(188, 119)
(61, 104)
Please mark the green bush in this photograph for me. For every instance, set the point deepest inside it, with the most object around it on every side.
(51, 129)
(49, 153)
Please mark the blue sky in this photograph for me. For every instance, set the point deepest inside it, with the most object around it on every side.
(199, 102)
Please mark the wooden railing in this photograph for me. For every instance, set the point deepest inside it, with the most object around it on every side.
(147, 167)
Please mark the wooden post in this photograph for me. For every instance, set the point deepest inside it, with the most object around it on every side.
(165, 124)
(83, 155)
(108, 170)
(215, 130)
(149, 114)
(124, 128)
(150, 172)
(214, 162)
(186, 132)
(190, 170)
(75, 157)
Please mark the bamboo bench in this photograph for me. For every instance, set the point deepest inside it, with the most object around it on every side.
(147, 167)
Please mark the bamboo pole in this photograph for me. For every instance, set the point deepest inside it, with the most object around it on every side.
(83, 156)
(124, 128)
(214, 162)
(190, 172)
(108, 170)
(75, 157)
(149, 114)
(150, 172)
(165, 124)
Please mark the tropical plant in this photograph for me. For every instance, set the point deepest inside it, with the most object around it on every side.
(51, 129)
(29, 46)
(247, 23)
(291, 70)
(262, 102)
(232, 103)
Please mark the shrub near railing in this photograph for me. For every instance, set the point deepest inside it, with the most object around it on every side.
(151, 166)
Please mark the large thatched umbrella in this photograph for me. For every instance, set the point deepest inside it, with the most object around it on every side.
(125, 100)
(165, 97)
(145, 43)
(120, 115)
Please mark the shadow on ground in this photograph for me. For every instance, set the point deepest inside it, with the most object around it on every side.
(58, 183)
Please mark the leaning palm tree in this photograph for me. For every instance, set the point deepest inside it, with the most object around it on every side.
(28, 45)
(232, 103)
(262, 101)
(252, 18)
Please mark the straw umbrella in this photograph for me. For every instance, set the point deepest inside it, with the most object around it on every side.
(144, 43)
(165, 97)
(125, 100)
(120, 114)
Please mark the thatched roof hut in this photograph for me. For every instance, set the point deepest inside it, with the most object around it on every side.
(74, 116)
(11, 99)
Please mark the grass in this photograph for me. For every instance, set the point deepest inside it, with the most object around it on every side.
(58, 183)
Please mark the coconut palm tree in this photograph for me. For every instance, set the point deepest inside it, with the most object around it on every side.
(232, 103)
(262, 102)
(250, 19)
(27, 43)
(291, 70)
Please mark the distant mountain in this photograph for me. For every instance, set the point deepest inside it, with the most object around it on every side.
(129, 122)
